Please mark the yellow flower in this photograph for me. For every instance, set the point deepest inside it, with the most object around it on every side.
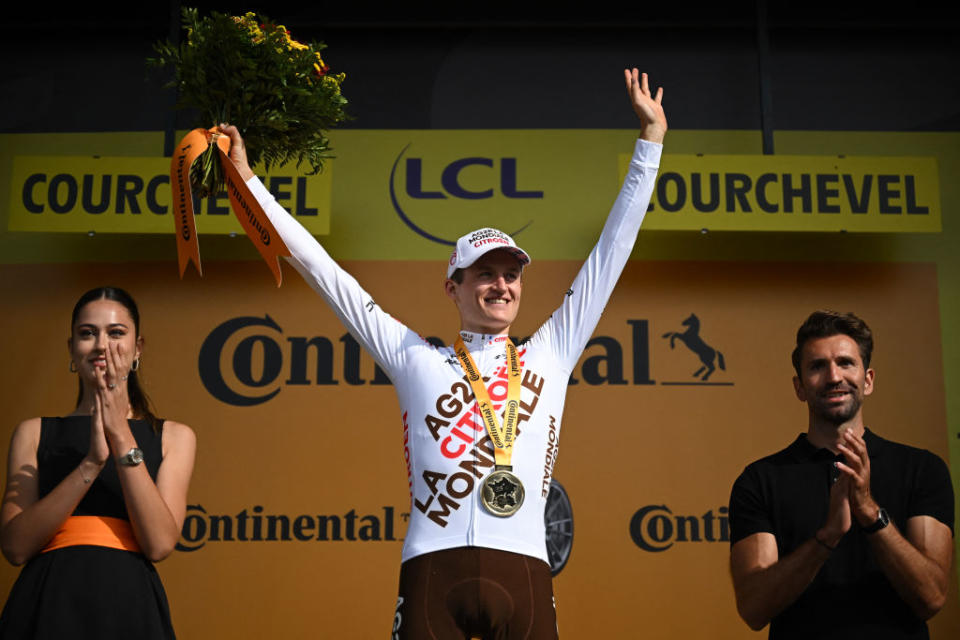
(249, 23)
(334, 80)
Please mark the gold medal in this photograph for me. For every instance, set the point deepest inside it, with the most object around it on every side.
(502, 493)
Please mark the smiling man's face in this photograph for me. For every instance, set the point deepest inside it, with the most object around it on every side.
(833, 381)
(488, 299)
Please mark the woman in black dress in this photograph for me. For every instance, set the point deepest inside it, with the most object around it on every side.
(93, 499)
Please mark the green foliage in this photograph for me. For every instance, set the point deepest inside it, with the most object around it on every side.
(247, 71)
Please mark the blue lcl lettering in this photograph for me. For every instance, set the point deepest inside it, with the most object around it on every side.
(450, 180)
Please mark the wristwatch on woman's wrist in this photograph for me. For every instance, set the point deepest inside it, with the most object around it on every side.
(131, 458)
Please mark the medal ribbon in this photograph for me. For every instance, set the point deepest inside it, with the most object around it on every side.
(245, 207)
(504, 434)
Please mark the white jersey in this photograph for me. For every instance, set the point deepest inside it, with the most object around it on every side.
(447, 449)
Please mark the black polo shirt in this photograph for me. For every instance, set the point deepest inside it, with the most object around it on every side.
(788, 494)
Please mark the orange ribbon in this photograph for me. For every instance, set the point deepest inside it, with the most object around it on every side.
(98, 531)
(245, 207)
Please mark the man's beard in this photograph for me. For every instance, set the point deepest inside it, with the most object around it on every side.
(839, 414)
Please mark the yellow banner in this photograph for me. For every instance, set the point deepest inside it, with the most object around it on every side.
(795, 193)
(132, 195)
(410, 194)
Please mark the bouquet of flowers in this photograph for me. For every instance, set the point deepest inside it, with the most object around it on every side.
(248, 71)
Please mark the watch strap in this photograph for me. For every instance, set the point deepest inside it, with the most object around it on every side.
(883, 519)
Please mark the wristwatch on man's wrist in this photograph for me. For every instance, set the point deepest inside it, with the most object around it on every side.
(883, 519)
(131, 458)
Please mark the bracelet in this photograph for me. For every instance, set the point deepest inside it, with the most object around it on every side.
(86, 480)
(824, 544)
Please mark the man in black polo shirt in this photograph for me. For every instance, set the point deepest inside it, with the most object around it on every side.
(842, 534)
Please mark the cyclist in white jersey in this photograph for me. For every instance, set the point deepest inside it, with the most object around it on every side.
(474, 559)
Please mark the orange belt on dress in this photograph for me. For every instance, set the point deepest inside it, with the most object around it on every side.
(99, 531)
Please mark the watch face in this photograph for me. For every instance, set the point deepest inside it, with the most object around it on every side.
(883, 517)
(132, 458)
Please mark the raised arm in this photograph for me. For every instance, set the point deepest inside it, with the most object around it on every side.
(378, 333)
(570, 327)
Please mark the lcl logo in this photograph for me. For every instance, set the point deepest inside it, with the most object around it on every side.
(500, 177)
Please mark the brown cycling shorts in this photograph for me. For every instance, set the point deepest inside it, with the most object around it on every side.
(474, 592)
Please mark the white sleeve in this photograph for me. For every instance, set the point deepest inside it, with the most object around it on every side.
(571, 325)
(381, 335)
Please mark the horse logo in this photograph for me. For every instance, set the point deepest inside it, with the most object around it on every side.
(706, 353)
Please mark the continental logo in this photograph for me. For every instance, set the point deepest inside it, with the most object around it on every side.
(248, 360)
(795, 193)
(656, 528)
(239, 196)
(472, 374)
(421, 190)
(255, 525)
(513, 360)
(710, 359)
(182, 223)
(488, 417)
(133, 195)
(510, 417)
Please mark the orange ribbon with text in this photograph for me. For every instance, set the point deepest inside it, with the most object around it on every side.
(245, 207)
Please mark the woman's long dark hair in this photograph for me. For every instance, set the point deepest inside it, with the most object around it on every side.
(139, 402)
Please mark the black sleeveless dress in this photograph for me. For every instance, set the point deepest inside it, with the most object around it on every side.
(88, 592)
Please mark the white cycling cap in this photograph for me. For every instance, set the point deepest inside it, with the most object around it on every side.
(476, 243)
